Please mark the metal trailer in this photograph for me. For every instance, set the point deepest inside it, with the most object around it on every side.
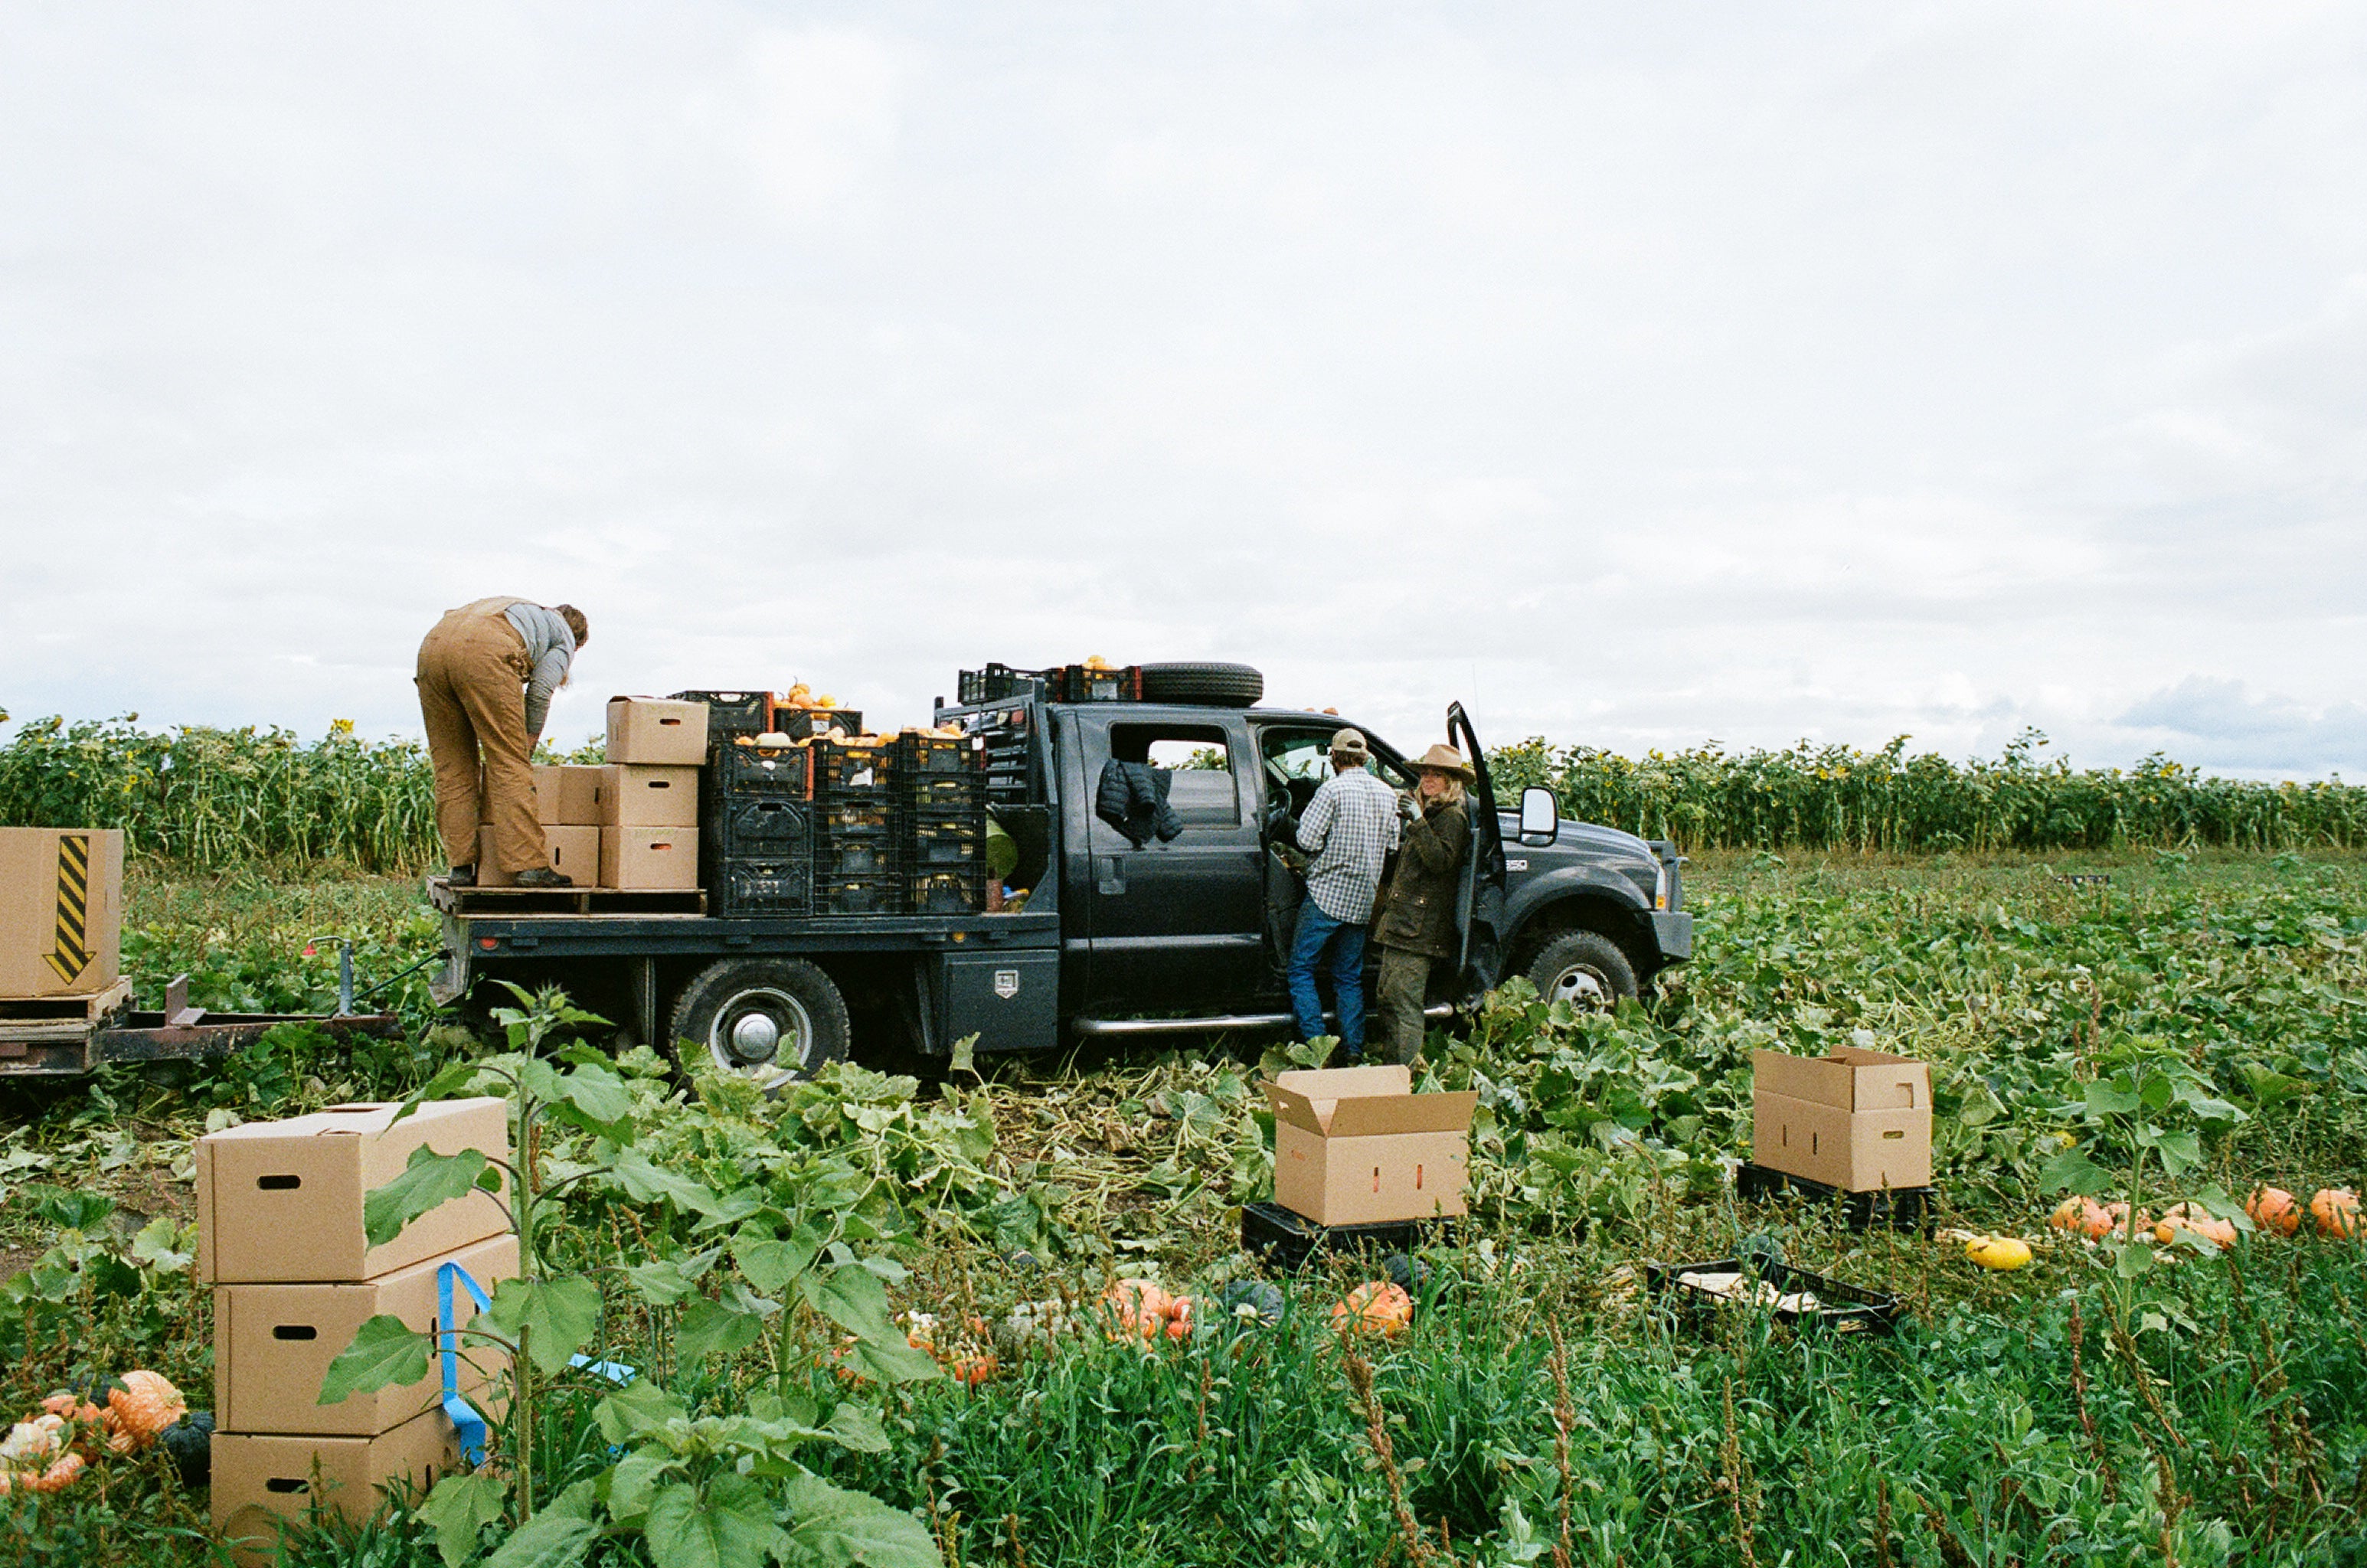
(64, 1036)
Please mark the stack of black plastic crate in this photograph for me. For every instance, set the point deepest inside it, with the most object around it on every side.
(941, 782)
(755, 822)
(860, 857)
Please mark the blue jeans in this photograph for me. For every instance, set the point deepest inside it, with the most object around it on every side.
(1318, 931)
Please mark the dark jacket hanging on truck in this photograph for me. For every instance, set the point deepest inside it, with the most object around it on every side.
(1132, 798)
(1417, 907)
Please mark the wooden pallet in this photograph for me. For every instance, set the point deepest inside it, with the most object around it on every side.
(57, 1021)
(511, 903)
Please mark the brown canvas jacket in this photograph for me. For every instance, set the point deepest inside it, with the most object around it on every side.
(1418, 910)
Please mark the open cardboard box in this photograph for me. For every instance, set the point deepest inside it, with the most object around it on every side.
(1356, 1145)
(1853, 1119)
(281, 1202)
(273, 1345)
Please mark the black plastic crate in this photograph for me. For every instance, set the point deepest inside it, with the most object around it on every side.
(1080, 683)
(949, 891)
(767, 825)
(953, 841)
(918, 755)
(1694, 1289)
(1891, 1208)
(782, 770)
(801, 723)
(732, 713)
(857, 818)
(839, 893)
(839, 855)
(944, 792)
(997, 682)
(844, 769)
(1282, 1239)
(756, 885)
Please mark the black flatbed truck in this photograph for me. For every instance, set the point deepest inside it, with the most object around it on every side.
(1114, 939)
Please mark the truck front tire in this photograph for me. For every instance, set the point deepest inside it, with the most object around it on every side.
(1586, 969)
(769, 1021)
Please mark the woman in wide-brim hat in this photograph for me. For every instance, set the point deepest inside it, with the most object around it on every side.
(1417, 916)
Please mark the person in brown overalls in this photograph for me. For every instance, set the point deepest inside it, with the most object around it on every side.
(486, 674)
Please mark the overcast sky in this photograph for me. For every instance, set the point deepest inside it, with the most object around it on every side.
(1641, 375)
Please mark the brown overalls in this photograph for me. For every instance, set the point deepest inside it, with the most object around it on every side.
(472, 674)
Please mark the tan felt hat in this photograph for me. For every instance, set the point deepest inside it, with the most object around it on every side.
(1445, 759)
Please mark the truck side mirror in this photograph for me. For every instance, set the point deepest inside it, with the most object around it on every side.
(1540, 815)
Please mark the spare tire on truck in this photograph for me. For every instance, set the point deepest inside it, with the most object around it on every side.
(1203, 685)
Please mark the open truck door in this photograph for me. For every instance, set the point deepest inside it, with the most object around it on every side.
(1479, 911)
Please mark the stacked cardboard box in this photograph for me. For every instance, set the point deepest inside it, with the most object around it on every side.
(61, 912)
(280, 1240)
(1856, 1120)
(649, 793)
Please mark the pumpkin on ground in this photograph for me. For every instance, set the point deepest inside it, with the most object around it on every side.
(1254, 1301)
(2192, 1219)
(141, 1407)
(1375, 1307)
(972, 1370)
(2081, 1216)
(2273, 1209)
(2335, 1210)
(34, 1456)
(1137, 1308)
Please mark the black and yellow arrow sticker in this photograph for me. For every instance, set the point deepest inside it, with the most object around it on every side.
(73, 954)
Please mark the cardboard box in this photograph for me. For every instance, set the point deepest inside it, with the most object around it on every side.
(61, 910)
(657, 730)
(281, 1202)
(635, 795)
(260, 1479)
(567, 797)
(273, 1345)
(576, 851)
(1854, 1119)
(1356, 1145)
(649, 860)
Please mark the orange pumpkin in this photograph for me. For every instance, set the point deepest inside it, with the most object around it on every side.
(2273, 1209)
(2084, 1217)
(1375, 1307)
(972, 1370)
(143, 1406)
(56, 1478)
(1137, 1307)
(2194, 1220)
(2335, 1210)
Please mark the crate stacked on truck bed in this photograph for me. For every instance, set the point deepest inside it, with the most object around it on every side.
(941, 780)
(1094, 681)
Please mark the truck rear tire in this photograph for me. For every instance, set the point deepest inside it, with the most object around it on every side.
(1203, 685)
(769, 1021)
(1586, 969)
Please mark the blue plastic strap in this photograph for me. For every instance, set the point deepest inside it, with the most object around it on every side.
(466, 1422)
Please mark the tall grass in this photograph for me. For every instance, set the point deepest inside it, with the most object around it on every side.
(209, 798)
(1838, 797)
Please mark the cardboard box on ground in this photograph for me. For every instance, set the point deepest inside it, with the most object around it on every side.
(1854, 1119)
(61, 910)
(1356, 1145)
(260, 1479)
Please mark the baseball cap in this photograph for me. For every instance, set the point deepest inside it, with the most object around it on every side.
(1350, 743)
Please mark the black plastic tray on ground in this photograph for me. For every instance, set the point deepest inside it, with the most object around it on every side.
(1284, 1240)
(1840, 1309)
(1894, 1208)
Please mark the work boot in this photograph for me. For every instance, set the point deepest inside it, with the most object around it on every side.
(542, 876)
(462, 877)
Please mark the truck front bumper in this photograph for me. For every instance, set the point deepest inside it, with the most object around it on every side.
(1672, 933)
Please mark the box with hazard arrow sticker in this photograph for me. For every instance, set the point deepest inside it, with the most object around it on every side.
(61, 910)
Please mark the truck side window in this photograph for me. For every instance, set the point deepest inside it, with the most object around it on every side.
(1200, 768)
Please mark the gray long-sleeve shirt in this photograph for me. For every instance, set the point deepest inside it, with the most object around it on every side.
(551, 646)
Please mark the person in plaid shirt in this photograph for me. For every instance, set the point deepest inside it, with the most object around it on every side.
(1349, 829)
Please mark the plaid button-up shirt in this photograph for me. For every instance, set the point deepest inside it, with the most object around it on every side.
(1349, 828)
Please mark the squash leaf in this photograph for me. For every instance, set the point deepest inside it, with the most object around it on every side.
(385, 1352)
(429, 1182)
